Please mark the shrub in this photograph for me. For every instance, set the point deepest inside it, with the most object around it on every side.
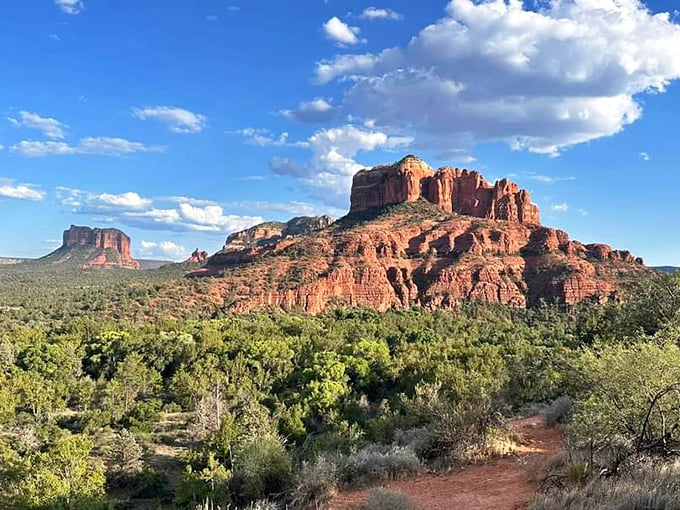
(559, 412)
(376, 463)
(419, 440)
(316, 484)
(649, 485)
(387, 499)
(143, 416)
(263, 468)
(149, 484)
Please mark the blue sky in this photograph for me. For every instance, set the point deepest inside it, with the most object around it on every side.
(183, 120)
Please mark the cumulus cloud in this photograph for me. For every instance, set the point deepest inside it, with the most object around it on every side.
(70, 6)
(9, 189)
(540, 80)
(645, 156)
(374, 13)
(50, 127)
(341, 33)
(178, 120)
(311, 112)
(167, 249)
(177, 214)
(102, 146)
(330, 170)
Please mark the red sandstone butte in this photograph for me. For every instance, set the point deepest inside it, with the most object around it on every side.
(451, 189)
(101, 239)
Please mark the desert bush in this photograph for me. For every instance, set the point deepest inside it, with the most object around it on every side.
(143, 416)
(387, 499)
(149, 484)
(376, 463)
(316, 483)
(615, 398)
(460, 427)
(559, 411)
(649, 485)
(263, 468)
(420, 440)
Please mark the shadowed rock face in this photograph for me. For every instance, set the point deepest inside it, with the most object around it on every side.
(450, 236)
(451, 189)
(102, 248)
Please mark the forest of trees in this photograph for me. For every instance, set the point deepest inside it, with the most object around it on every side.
(109, 400)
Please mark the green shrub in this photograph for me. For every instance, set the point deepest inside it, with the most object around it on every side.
(387, 499)
(148, 484)
(263, 468)
(143, 416)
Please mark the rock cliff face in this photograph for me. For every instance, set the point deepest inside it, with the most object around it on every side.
(272, 232)
(450, 237)
(451, 189)
(198, 257)
(94, 248)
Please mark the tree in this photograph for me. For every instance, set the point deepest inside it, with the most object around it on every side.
(135, 379)
(125, 456)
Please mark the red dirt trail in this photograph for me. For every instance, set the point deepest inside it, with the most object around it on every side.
(503, 484)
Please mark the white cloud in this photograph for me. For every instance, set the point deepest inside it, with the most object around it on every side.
(51, 128)
(101, 203)
(265, 138)
(41, 149)
(9, 189)
(178, 120)
(645, 156)
(292, 208)
(167, 249)
(373, 13)
(563, 207)
(341, 33)
(329, 172)
(311, 112)
(184, 215)
(70, 6)
(540, 80)
(103, 146)
(550, 179)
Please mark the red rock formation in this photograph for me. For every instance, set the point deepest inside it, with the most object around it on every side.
(389, 184)
(198, 257)
(492, 250)
(100, 248)
(417, 257)
(453, 190)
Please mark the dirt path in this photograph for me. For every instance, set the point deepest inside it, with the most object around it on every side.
(503, 484)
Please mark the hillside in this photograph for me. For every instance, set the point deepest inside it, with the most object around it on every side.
(399, 249)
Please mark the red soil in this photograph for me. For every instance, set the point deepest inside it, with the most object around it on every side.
(503, 484)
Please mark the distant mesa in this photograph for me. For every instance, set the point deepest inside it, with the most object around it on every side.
(93, 248)
(417, 237)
